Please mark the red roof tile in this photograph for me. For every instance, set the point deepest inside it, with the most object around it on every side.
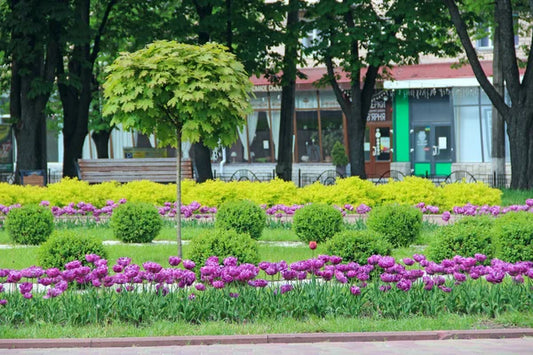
(407, 72)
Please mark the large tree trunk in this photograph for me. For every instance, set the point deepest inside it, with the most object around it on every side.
(76, 97)
(32, 75)
(201, 156)
(498, 124)
(75, 87)
(76, 119)
(519, 129)
(200, 153)
(101, 142)
(288, 93)
(30, 126)
(356, 125)
(520, 115)
(284, 165)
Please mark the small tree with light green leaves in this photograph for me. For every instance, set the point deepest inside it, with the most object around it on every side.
(179, 92)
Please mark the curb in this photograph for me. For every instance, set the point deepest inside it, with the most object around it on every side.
(265, 338)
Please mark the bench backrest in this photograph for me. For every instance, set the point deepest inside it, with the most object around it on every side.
(125, 170)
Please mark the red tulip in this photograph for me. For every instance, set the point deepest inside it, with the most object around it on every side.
(312, 245)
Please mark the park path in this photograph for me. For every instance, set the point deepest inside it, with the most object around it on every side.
(487, 342)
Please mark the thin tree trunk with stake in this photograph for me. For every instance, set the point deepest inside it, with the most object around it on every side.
(178, 192)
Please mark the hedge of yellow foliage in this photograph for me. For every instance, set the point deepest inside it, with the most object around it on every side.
(351, 190)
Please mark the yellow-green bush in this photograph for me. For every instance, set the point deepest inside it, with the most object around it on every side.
(410, 191)
(25, 195)
(351, 190)
(146, 191)
(461, 193)
(274, 192)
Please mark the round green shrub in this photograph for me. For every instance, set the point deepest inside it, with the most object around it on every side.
(29, 225)
(358, 245)
(514, 237)
(67, 246)
(136, 222)
(224, 243)
(317, 222)
(466, 237)
(242, 216)
(400, 224)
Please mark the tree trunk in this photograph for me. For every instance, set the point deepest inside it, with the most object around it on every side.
(76, 97)
(284, 165)
(498, 124)
(76, 118)
(288, 93)
(201, 154)
(519, 115)
(101, 141)
(178, 193)
(201, 157)
(356, 138)
(30, 127)
(519, 128)
(75, 87)
(32, 75)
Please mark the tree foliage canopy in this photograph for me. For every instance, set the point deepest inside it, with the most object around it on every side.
(168, 87)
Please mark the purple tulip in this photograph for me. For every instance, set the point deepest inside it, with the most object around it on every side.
(189, 264)
(385, 288)
(408, 261)
(404, 285)
(285, 288)
(152, 267)
(386, 262)
(73, 265)
(218, 284)
(355, 290)
(25, 287)
(174, 260)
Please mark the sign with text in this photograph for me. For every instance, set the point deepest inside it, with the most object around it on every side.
(6, 148)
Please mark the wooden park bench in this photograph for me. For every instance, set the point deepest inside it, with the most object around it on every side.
(125, 170)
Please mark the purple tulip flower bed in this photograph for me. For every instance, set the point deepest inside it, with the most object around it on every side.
(92, 291)
(195, 211)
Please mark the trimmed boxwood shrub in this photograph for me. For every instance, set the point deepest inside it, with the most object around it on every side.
(136, 222)
(242, 216)
(514, 237)
(317, 222)
(466, 237)
(358, 246)
(29, 225)
(400, 224)
(224, 243)
(67, 246)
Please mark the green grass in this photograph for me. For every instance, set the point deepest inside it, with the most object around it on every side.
(277, 326)
(21, 257)
(515, 197)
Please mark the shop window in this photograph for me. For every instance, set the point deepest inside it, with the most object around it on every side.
(261, 147)
(307, 136)
(332, 132)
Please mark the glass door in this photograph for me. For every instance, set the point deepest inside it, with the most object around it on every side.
(432, 149)
(378, 149)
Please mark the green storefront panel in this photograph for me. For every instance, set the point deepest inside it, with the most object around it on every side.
(443, 169)
(401, 126)
(422, 169)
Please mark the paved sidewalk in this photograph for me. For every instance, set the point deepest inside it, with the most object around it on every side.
(486, 342)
